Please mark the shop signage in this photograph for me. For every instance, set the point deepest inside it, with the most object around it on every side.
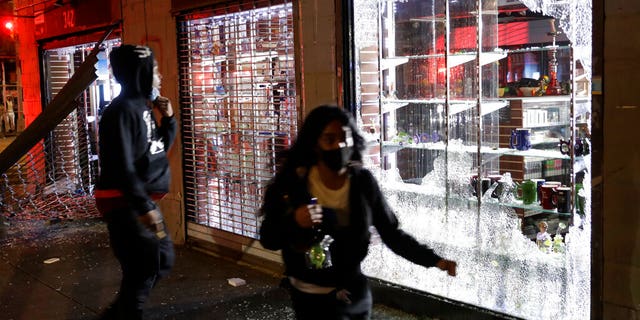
(73, 17)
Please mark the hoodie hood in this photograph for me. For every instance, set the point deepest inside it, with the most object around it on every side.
(132, 66)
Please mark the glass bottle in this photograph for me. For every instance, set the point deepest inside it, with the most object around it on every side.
(318, 256)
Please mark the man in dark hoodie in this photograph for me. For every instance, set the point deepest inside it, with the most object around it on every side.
(134, 173)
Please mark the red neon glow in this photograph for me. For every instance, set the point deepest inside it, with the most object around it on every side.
(9, 25)
(513, 34)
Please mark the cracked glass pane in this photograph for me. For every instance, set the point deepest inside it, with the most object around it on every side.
(506, 262)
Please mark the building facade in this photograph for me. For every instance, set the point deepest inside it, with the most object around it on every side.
(244, 73)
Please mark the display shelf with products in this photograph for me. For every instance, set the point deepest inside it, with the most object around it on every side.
(429, 59)
(437, 88)
(403, 141)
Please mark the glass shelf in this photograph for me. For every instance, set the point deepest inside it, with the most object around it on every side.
(550, 98)
(454, 59)
(530, 209)
(391, 147)
(545, 125)
(388, 106)
(485, 58)
(535, 49)
(456, 106)
(486, 107)
(388, 63)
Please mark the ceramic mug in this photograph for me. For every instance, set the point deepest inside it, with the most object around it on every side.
(520, 139)
(548, 193)
(484, 184)
(527, 192)
(578, 147)
(495, 179)
(563, 199)
(539, 183)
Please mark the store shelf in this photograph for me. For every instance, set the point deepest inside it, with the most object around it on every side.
(453, 60)
(388, 106)
(545, 125)
(535, 142)
(536, 49)
(392, 147)
(530, 209)
(549, 154)
(457, 59)
(486, 107)
(456, 106)
(559, 98)
(387, 63)
(534, 210)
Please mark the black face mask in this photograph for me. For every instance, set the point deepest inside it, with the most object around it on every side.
(336, 159)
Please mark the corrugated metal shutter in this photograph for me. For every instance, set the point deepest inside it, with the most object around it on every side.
(239, 108)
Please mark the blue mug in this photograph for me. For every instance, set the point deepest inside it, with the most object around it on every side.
(520, 139)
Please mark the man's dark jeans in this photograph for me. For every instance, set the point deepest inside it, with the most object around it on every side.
(143, 257)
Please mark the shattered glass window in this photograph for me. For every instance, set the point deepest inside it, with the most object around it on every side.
(464, 108)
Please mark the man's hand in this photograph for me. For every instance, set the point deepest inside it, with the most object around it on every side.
(164, 106)
(152, 220)
(448, 266)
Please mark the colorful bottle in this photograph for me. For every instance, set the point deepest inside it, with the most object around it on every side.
(319, 256)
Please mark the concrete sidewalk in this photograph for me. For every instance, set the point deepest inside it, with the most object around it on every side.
(86, 278)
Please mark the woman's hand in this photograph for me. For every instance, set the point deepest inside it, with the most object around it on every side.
(448, 266)
(343, 295)
(309, 215)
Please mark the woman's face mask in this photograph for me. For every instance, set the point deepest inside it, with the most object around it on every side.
(336, 146)
(337, 159)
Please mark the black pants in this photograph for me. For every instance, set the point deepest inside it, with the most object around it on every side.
(144, 259)
(326, 307)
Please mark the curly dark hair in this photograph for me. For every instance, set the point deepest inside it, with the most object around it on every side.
(303, 152)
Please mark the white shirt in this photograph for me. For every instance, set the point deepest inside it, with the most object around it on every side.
(334, 199)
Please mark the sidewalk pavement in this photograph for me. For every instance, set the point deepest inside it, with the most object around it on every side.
(66, 270)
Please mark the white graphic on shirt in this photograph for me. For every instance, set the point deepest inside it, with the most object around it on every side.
(142, 51)
(155, 145)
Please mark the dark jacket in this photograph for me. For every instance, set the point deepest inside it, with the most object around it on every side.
(368, 207)
(133, 150)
